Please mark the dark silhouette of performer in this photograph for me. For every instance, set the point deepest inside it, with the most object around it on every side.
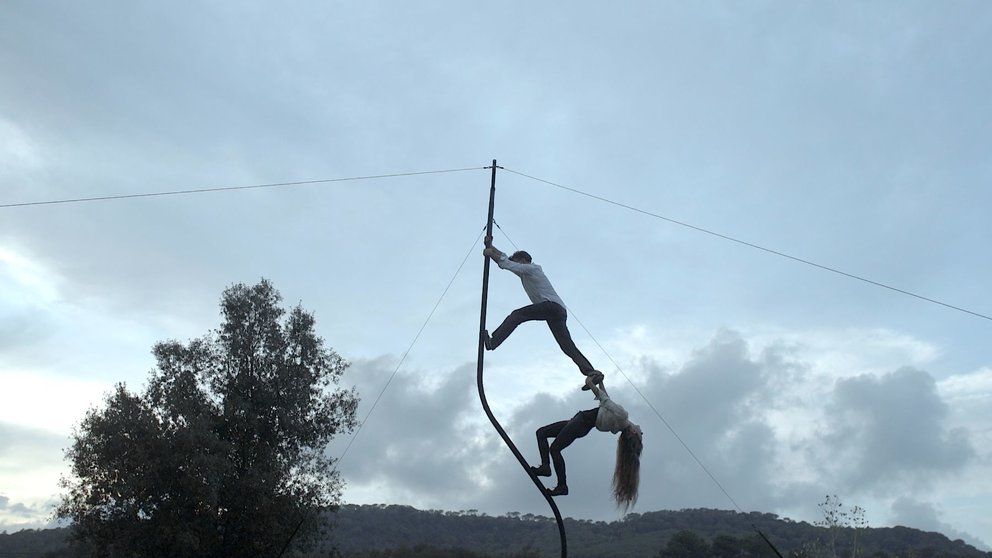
(545, 306)
(608, 417)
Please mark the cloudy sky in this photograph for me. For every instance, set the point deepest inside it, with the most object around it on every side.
(851, 135)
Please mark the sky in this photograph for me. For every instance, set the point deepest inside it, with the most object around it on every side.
(850, 135)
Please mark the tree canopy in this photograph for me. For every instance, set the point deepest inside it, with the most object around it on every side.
(223, 452)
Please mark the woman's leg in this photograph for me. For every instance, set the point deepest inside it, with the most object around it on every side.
(543, 433)
(579, 426)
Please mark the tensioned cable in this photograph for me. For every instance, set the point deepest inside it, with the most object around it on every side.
(389, 381)
(674, 433)
(665, 422)
(230, 188)
(752, 245)
(410, 348)
(622, 373)
(658, 414)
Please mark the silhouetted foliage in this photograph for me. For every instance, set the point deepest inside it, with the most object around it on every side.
(222, 453)
(427, 551)
(381, 530)
(685, 544)
(360, 529)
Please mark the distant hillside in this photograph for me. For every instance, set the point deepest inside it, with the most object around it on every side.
(378, 531)
(360, 529)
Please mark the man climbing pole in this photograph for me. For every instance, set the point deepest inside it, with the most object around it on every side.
(608, 417)
(545, 306)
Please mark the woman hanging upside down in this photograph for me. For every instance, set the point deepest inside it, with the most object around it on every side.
(608, 417)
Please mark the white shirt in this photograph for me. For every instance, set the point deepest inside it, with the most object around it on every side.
(532, 277)
(611, 416)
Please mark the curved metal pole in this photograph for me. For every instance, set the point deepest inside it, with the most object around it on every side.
(482, 389)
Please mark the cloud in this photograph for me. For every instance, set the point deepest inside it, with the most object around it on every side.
(761, 421)
(30, 464)
(443, 432)
(771, 129)
(15, 516)
(21, 154)
(16, 510)
(420, 439)
(891, 430)
(971, 389)
(926, 517)
(21, 442)
(47, 401)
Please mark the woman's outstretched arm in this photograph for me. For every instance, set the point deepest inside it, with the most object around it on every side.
(598, 390)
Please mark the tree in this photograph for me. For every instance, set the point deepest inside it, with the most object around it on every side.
(222, 454)
(837, 519)
(755, 546)
(725, 546)
(685, 544)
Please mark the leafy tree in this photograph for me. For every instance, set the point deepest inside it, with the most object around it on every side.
(222, 454)
(756, 546)
(685, 544)
(725, 546)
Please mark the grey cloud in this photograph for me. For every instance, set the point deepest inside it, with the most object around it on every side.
(721, 375)
(429, 444)
(423, 442)
(892, 429)
(834, 118)
(912, 513)
(708, 403)
(415, 438)
(25, 446)
(926, 517)
(19, 510)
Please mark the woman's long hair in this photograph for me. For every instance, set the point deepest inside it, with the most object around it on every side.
(627, 472)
